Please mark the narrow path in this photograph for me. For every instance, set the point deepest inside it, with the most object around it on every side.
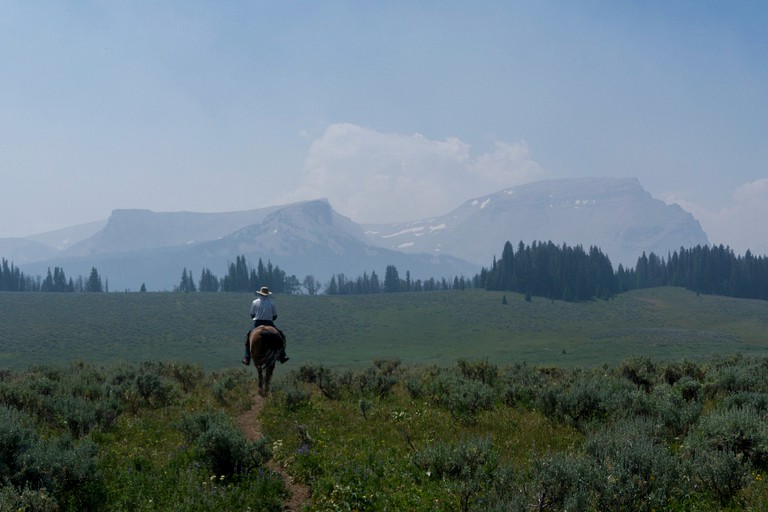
(250, 424)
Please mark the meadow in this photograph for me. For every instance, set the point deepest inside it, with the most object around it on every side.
(350, 331)
(655, 400)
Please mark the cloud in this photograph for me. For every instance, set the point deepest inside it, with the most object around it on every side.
(741, 225)
(390, 177)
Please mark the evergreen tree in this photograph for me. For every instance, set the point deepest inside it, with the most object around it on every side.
(375, 284)
(11, 278)
(94, 282)
(187, 282)
(391, 280)
(208, 282)
(332, 288)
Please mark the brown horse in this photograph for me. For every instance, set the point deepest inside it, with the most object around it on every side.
(265, 345)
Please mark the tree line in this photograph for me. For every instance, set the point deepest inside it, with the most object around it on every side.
(544, 269)
(714, 270)
(392, 283)
(571, 273)
(241, 277)
(14, 280)
(552, 271)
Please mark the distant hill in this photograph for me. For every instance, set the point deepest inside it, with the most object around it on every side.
(135, 247)
(142, 247)
(616, 215)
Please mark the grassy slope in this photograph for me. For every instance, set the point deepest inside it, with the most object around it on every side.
(439, 327)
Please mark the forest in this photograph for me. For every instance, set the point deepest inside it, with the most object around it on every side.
(557, 272)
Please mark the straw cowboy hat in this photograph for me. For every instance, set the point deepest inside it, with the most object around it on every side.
(264, 291)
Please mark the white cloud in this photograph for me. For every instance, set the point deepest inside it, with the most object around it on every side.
(741, 225)
(390, 177)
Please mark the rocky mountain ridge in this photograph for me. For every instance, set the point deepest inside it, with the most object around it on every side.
(616, 215)
(310, 238)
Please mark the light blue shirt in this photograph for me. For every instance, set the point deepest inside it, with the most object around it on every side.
(263, 309)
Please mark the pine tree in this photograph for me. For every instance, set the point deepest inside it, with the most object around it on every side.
(208, 282)
(332, 288)
(93, 284)
(187, 283)
(391, 280)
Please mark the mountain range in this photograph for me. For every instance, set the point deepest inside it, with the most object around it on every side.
(135, 247)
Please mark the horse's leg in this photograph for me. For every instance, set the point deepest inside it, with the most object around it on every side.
(268, 378)
(261, 381)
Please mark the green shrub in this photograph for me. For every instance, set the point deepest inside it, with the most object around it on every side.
(153, 390)
(17, 394)
(757, 402)
(737, 374)
(16, 437)
(387, 366)
(221, 446)
(721, 473)
(293, 396)
(373, 382)
(640, 371)
(674, 372)
(742, 431)
(186, 375)
(587, 397)
(672, 411)
(630, 469)
(481, 371)
(463, 398)
(468, 468)
(322, 377)
(521, 385)
(557, 482)
(27, 500)
(73, 413)
(417, 379)
(56, 467)
(65, 469)
(690, 389)
(223, 386)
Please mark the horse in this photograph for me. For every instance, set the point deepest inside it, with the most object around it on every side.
(265, 344)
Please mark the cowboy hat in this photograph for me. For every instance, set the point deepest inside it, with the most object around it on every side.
(264, 291)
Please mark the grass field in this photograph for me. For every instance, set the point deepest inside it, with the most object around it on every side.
(350, 331)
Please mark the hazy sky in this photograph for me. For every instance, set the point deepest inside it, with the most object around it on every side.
(395, 110)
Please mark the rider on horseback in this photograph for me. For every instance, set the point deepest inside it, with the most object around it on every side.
(264, 312)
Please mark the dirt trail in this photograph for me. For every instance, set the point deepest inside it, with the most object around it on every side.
(250, 424)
